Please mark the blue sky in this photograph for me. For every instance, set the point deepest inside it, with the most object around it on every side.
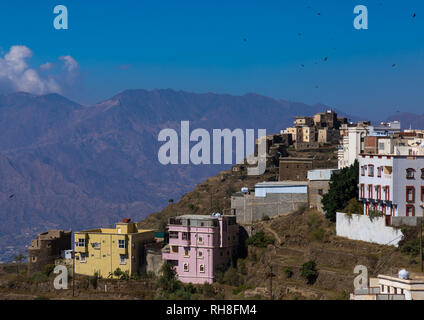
(199, 46)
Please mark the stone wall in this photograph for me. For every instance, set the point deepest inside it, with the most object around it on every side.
(360, 227)
(250, 208)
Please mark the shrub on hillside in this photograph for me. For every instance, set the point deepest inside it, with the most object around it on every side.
(288, 272)
(260, 239)
(309, 272)
(354, 207)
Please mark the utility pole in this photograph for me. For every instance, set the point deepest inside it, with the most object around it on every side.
(270, 275)
(421, 241)
(73, 273)
(421, 244)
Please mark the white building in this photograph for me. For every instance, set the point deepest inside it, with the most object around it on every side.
(391, 288)
(392, 184)
(353, 145)
(353, 140)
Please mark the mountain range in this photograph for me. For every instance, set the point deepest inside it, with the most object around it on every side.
(68, 166)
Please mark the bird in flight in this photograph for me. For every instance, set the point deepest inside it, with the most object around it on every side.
(326, 58)
(11, 196)
(414, 15)
(393, 65)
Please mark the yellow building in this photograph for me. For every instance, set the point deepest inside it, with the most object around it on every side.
(106, 249)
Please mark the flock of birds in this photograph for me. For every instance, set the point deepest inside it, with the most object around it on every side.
(414, 15)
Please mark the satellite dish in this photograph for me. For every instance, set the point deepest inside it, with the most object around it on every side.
(403, 274)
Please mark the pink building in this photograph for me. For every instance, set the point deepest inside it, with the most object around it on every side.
(199, 244)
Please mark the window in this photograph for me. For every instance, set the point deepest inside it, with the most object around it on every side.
(410, 173)
(379, 169)
(82, 243)
(371, 170)
(83, 258)
(186, 235)
(96, 245)
(410, 194)
(388, 169)
(370, 191)
(422, 194)
(202, 268)
(186, 267)
(362, 194)
(174, 249)
(362, 171)
(320, 192)
(186, 252)
(410, 210)
(122, 244)
(123, 259)
(173, 234)
(200, 254)
(422, 173)
(378, 192)
(200, 240)
(387, 193)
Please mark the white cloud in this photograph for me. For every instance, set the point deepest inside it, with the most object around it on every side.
(46, 66)
(17, 75)
(70, 63)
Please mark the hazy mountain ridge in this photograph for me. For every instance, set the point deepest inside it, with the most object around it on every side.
(74, 166)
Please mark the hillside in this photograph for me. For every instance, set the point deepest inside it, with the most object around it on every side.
(70, 166)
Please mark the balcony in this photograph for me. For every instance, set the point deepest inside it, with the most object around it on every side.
(175, 221)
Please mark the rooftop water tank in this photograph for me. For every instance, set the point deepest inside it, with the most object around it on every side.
(403, 274)
(245, 190)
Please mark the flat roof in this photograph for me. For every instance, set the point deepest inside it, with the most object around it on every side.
(113, 231)
(281, 183)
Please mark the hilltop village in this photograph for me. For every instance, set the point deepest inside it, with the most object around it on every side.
(335, 194)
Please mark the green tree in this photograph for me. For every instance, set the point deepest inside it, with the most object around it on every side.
(260, 239)
(309, 271)
(354, 207)
(168, 280)
(343, 187)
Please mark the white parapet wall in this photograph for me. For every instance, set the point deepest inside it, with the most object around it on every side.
(360, 227)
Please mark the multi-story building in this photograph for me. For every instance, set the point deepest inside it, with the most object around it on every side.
(104, 250)
(392, 184)
(48, 247)
(365, 138)
(295, 169)
(200, 244)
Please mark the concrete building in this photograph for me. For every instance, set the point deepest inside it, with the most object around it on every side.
(200, 244)
(47, 248)
(295, 132)
(319, 184)
(386, 287)
(295, 169)
(352, 145)
(365, 138)
(328, 136)
(269, 199)
(104, 250)
(392, 184)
